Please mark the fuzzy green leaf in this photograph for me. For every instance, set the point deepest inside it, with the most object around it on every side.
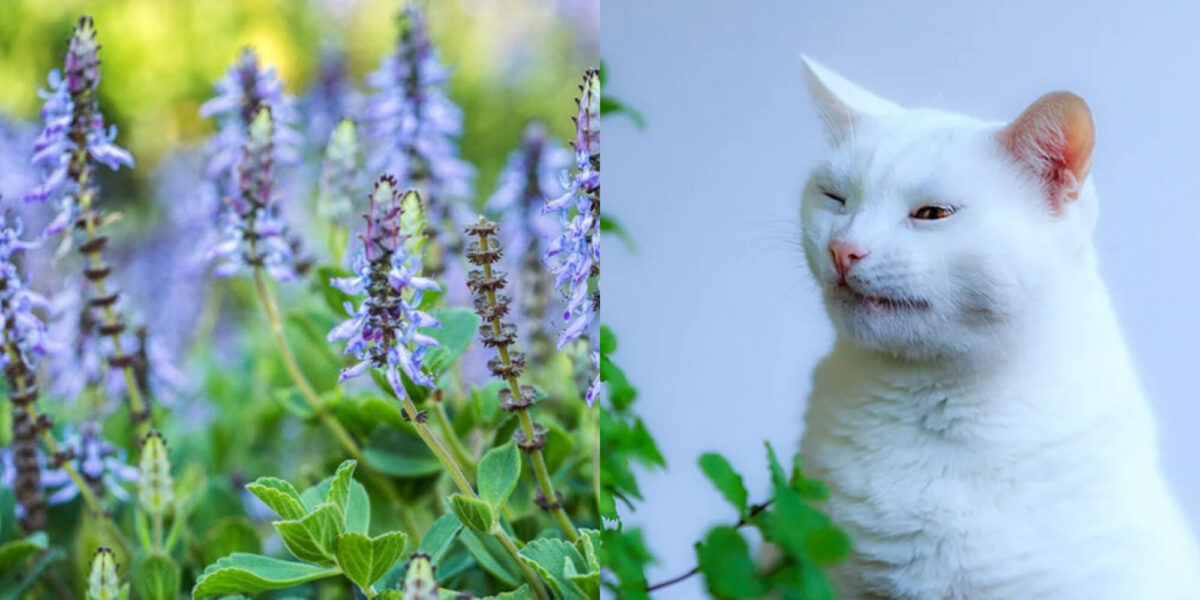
(279, 495)
(311, 539)
(474, 513)
(563, 567)
(155, 577)
(499, 471)
(13, 553)
(727, 481)
(251, 573)
(364, 560)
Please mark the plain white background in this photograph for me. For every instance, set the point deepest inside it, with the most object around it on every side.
(718, 321)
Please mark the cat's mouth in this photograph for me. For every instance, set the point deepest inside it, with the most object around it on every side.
(877, 303)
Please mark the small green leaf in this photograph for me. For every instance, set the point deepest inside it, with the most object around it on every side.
(499, 471)
(459, 328)
(563, 567)
(474, 513)
(13, 553)
(155, 577)
(252, 573)
(311, 539)
(364, 560)
(358, 507)
(339, 488)
(727, 566)
(608, 340)
(611, 225)
(490, 555)
(727, 481)
(439, 537)
(279, 495)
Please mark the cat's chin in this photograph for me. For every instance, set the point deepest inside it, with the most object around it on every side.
(852, 299)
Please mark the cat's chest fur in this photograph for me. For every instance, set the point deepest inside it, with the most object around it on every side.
(1034, 481)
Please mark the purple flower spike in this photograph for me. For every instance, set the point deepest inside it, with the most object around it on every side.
(574, 258)
(531, 176)
(73, 136)
(23, 347)
(415, 127)
(385, 330)
(253, 235)
(245, 87)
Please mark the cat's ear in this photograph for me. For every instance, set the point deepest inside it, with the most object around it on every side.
(1053, 138)
(841, 103)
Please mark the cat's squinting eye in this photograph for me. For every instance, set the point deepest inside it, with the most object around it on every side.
(833, 196)
(933, 212)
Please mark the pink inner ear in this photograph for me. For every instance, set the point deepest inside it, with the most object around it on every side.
(1054, 139)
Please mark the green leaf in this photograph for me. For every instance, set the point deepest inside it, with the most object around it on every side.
(611, 225)
(13, 553)
(339, 488)
(475, 514)
(459, 328)
(311, 539)
(608, 340)
(491, 556)
(521, 593)
(227, 536)
(155, 577)
(400, 454)
(727, 566)
(364, 560)
(625, 555)
(563, 567)
(252, 573)
(727, 481)
(439, 537)
(499, 471)
(612, 106)
(620, 393)
(358, 507)
(279, 495)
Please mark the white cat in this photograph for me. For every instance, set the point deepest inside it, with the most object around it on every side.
(978, 421)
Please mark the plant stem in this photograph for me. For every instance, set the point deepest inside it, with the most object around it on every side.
(460, 452)
(158, 531)
(460, 480)
(293, 368)
(754, 510)
(85, 490)
(536, 456)
(97, 272)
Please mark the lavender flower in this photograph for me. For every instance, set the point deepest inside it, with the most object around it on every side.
(252, 231)
(16, 174)
(101, 464)
(24, 346)
(332, 97)
(384, 331)
(415, 126)
(574, 258)
(531, 175)
(245, 87)
(74, 135)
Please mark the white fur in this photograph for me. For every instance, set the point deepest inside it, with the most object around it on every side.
(993, 442)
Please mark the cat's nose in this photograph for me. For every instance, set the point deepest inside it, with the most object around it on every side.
(845, 255)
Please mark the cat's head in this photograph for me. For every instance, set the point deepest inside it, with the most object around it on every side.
(932, 234)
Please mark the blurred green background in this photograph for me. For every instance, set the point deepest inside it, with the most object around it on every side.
(511, 61)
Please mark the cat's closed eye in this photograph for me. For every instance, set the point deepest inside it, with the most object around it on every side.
(933, 212)
(833, 196)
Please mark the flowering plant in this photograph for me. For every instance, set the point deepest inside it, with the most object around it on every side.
(281, 397)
